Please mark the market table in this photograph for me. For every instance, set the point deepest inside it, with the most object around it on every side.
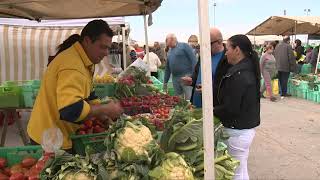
(17, 121)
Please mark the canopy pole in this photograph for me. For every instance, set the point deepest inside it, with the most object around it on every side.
(207, 97)
(124, 51)
(295, 30)
(146, 39)
(316, 71)
(254, 37)
(119, 34)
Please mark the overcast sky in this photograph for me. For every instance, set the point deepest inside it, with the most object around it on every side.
(232, 16)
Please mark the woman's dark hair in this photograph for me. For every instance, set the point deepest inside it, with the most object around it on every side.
(298, 42)
(245, 45)
(93, 30)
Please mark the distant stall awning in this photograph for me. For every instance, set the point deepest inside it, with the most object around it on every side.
(75, 9)
(288, 25)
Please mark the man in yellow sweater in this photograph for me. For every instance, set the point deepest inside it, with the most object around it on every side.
(66, 88)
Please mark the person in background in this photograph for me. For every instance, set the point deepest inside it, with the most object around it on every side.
(66, 89)
(274, 44)
(154, 62)
(193, 42)
(181, 62)
(139, 51)
(219, 64)
(133, 55)
(268, 70)
(239, 100)
(159, 52)
(314, 58)
(300, 56)
(285, 63)
(308, 55)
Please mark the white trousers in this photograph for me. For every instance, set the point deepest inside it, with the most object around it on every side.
(238, 147)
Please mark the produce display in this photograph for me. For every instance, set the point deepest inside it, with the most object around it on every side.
(65, 166)
(225, 165)
(158, 137)
(105, 79)
(28, 169)
(91, 126)
(144, 104)
(172, 167)
(134, 81)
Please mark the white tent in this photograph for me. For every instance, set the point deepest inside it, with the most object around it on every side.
(26, 45)
(289, 25)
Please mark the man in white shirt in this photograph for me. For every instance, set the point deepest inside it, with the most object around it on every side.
(154, 62)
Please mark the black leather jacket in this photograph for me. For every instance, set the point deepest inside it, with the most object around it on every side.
(238, 97)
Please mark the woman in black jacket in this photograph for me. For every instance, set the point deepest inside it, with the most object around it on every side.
(239, 100)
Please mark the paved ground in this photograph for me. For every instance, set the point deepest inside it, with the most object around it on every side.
(286, 146)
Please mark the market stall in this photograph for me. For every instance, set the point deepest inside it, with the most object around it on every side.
(289, 25)
(180, 129)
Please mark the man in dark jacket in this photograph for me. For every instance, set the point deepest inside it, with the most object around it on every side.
(219, 66)
(285, 63)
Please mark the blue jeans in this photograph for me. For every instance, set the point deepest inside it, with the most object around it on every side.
(283, 80)
(180, 89)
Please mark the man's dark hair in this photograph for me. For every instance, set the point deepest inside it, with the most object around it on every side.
(93, 30)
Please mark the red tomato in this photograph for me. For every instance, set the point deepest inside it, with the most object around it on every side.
(166, 116)
(3, 177)
(89, 131)
(82, 132)
(7, 171)
(17, 176)
(40, 165)
(3, 163)
(88, 123)
(28, 162)
(34, 177)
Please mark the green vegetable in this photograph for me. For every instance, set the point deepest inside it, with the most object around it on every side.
(131, 149)
(66, 167)
(131, 142)
(173, 167)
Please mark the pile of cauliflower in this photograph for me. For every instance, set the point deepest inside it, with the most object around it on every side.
(174, 167)
(133, 138)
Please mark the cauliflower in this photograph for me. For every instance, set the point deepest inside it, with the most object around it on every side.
(78, 176)
(173, 167)
(133, 141)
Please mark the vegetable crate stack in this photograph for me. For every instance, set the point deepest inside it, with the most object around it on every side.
(305, 86)
(18, 94)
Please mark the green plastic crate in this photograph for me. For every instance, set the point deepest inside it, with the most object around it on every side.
(93, 141)
(161, 75)
(159, 87)
(304, 85)
(155, 80)
(10, 96)
(302, 93)
(170, 89)
(30, 91)
(103, 90)
(306, 69)
(313, 96)
(15, 155)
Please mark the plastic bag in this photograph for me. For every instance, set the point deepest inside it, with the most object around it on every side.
(140, 64)
(52, 140)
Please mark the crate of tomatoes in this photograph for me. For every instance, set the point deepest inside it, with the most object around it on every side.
(91, 134)
(22, 163)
